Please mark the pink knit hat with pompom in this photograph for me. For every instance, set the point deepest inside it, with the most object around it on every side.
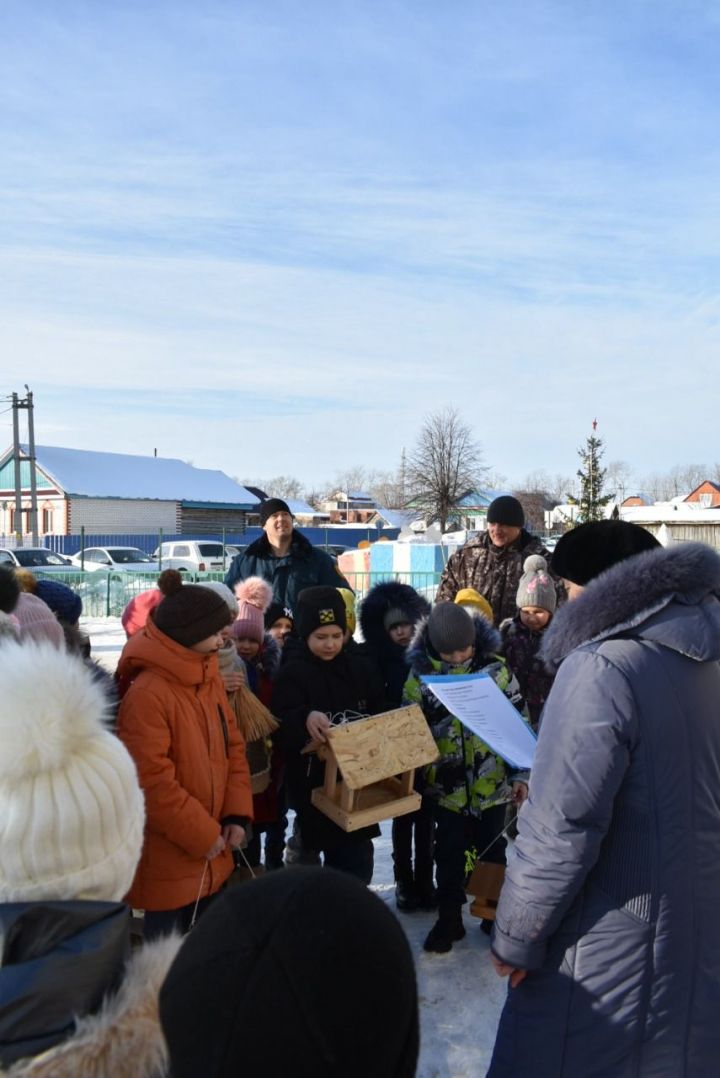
(254, 596)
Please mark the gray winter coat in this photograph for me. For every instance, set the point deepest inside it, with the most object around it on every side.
(612, 894)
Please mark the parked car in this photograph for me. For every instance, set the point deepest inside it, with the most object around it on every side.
(334, 549)
(233, 549)
(129, 559)
(37, 558)
(193, 555)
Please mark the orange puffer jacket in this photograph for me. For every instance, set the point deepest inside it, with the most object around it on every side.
(190, 756)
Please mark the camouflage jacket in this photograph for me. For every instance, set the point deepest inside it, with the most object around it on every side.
(493, 571)
(468, 777)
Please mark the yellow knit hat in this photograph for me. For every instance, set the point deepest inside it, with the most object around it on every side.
(479, 604)
(348, 597)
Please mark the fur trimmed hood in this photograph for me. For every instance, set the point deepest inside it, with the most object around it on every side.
(270, 655)
(632, 599)
(422, 658)
(384, 597)
(124, 1039)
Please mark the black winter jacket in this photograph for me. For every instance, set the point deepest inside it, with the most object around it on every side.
(304, 566)
(346, 687)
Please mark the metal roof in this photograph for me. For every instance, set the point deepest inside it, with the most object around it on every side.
(90, 474)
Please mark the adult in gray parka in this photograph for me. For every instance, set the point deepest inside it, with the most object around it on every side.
(608, 922)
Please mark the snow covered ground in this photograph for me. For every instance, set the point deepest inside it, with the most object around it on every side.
(460, 995)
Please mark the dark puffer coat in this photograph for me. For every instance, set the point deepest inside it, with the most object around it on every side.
(493, 571)
(521, 647)
(304, 566)
(611, 894)
(389, 656)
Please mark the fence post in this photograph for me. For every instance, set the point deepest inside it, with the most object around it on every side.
(160, 539)
(82, 548)
(107, 598)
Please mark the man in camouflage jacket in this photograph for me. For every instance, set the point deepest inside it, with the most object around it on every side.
(493, 563)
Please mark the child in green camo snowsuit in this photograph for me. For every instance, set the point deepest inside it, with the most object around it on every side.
(468, 785)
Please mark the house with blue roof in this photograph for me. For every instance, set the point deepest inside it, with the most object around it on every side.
(119, 493)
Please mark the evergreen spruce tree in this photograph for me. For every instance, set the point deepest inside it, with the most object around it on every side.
(591, 500)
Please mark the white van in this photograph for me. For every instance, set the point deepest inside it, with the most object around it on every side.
(192, 555)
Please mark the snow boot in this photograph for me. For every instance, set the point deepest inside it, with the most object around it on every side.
(406, 897)
(427, 898)
(447, 930)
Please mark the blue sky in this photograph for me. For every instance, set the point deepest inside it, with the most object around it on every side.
(269, 237)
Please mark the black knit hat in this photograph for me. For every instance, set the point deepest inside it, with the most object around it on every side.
(590, 549)
(304, 973)
(317, 608)
(191, 613)
(506, 510)
(271, 506)
(9, 589)
(276, 611)
(450, 628)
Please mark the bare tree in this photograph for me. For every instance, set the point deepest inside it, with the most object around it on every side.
(386, 489)
(681, 479)
(444, 464)
(281, 486)
(618, 476)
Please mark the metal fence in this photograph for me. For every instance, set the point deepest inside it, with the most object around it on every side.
(149, 541)
(106, 594)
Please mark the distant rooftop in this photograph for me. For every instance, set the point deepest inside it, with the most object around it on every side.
(90, 474)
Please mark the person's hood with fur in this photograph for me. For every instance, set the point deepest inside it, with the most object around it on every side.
(124, 1038)
(422, 658)
(632, 598)
(270, 655)
(388, 595)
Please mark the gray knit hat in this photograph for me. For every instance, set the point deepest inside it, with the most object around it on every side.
(450, 628)
(537, 588)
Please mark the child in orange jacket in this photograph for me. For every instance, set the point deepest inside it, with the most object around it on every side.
(178, 727)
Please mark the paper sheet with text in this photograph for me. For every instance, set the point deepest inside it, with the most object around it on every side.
(484, 709)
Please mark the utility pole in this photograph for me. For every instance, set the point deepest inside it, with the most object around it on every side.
(27, 405)
(16, 458)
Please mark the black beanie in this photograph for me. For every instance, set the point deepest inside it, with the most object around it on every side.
(450, 628)
(190, 613)
(9, 589)
(304, 973)
(506, 510)
(271, 506)
(276, 611)
(590, 549)
(317, 608)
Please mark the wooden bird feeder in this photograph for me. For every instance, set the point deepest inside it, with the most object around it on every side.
(370, 767)
(485, 886)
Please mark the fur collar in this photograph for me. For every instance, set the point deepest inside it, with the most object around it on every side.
(124, 1038)
(268, 658)
(423, 659)
(300, 547)
(379, 600)
(629, 594)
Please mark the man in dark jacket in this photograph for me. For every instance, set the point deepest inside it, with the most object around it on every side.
(284, 557)
(493, 562)
(607, 924)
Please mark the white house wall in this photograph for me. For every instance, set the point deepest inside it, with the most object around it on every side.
(121, 516)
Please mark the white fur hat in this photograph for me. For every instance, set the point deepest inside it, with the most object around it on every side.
(71, 809)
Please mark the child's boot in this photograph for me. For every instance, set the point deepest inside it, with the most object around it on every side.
(447, 929)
